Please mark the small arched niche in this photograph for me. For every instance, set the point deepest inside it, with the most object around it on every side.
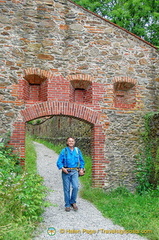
(81, 91)
(34, 86)
(124, 92)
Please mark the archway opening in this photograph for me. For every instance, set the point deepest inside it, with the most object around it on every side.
(56, 129)
(77, 111)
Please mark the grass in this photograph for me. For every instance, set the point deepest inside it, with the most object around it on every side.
(30, 161)
(132, 211)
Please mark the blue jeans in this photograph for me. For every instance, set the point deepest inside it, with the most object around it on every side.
(70, 179)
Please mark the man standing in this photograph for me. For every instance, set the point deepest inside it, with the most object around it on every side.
(69, 161)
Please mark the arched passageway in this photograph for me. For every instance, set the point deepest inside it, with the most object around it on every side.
(57, 128)
(49, 108)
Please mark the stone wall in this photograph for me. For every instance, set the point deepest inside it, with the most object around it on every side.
(58, 58)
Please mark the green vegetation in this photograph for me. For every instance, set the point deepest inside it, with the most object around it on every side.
(133, 211)
(147, 162)
(137, 16)
(21, 195)
(30, 163)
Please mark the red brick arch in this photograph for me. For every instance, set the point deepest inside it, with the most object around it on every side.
(37, 71)
(68, 109)
(124, 79)
(81, 77)
(64, 108)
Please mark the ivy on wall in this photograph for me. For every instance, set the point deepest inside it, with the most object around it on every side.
(147, 164)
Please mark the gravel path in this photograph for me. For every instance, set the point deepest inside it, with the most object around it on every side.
(85, 224)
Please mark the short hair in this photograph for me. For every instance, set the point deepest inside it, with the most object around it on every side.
(68, 138)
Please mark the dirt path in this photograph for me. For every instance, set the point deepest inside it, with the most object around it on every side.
(87, 223)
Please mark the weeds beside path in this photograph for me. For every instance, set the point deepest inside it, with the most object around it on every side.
(21, 197)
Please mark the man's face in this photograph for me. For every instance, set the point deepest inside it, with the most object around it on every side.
(71, 142)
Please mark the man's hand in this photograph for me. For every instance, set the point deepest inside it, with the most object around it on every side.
(65, 170)
(81, 172)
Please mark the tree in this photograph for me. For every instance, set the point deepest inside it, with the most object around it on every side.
(140, 17)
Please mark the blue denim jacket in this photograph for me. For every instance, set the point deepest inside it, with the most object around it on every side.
(70, 159)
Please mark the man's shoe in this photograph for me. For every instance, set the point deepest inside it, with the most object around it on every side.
(75, 208)
(67, 209)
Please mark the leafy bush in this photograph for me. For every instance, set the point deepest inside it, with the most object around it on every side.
(156, 163)
(147, 162)
(21, 195)
(143, 173)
